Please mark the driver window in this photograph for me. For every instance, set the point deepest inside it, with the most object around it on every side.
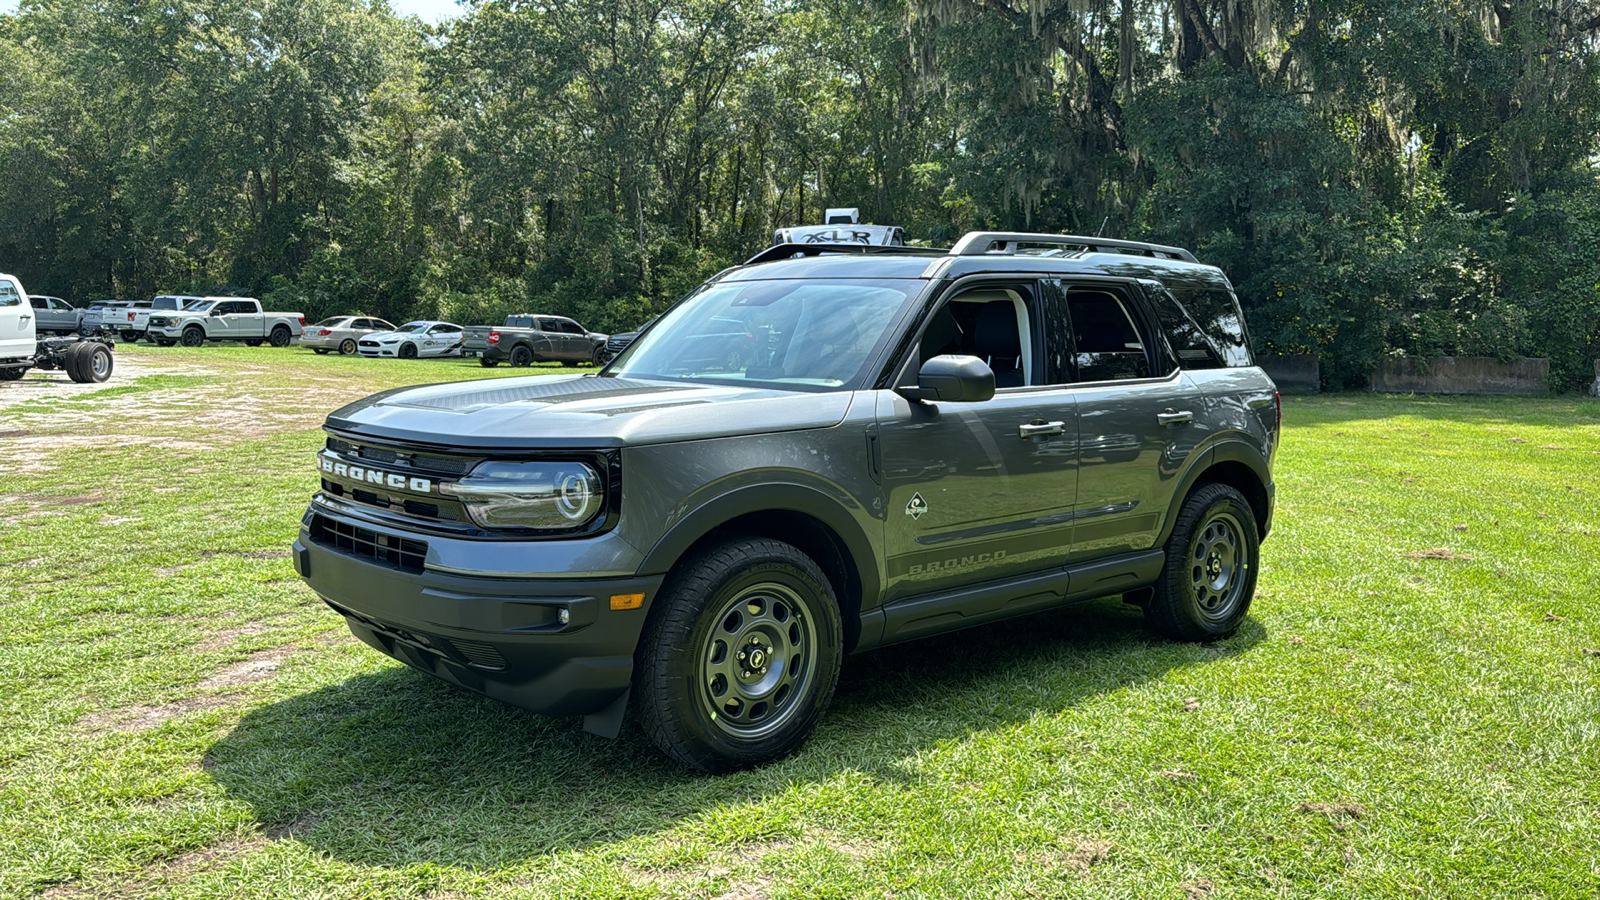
(994, 324)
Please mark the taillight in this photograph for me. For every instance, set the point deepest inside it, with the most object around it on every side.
(324, 332)
(494, 337)
(302, 321)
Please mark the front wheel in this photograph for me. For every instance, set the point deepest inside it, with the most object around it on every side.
(193, 337)
(408, 351)
(131, 337)
(740, 656)
(1213, 556)
(280, 336)
(598, 358)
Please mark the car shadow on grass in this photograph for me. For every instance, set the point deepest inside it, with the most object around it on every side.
(396, 768)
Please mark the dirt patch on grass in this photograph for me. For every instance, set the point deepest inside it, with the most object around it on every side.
(1071, 853)
(259, 667)
(1342, 814)
(222, 640)
(143, 718)
(1437, 553)
(169, 874)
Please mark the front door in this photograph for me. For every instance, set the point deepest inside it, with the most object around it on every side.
(16, 322)
(984, 487)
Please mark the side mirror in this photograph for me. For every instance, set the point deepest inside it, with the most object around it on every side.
(216, 312)
(952, 379)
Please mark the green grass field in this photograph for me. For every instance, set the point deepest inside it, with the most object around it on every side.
(1413, 709)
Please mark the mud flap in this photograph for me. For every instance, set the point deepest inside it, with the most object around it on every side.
(607, 723)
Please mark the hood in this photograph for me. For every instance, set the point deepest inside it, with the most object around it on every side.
(582, 411)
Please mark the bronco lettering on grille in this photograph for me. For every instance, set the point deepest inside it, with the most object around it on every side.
(374, 476)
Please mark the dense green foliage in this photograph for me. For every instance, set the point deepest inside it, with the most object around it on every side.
(1378, 178)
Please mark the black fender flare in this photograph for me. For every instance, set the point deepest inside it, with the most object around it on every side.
(1225, 450)
(781, 497)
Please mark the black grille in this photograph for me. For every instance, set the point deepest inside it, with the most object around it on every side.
(479, 655)
(401, 553)
(450, 465)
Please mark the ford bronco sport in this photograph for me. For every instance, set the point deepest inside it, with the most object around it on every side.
(918, 441)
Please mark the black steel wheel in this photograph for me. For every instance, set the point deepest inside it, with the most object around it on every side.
(740, 656)
(521, 356)
(280, 336)
(1213, 558)
(408, 351)
(193, 336)
(131, 337)
(347, 346)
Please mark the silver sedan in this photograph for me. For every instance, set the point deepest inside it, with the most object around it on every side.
(341, 333)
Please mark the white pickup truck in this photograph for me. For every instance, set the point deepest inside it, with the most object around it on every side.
(224, 319)
(137, 317)
(21, 348)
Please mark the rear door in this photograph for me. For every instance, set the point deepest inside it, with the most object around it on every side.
(245, 319)
(1138, 416)
(16, 322)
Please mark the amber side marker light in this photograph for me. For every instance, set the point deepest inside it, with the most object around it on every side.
(627, 601)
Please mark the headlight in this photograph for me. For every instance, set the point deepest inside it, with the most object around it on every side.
(542, 495)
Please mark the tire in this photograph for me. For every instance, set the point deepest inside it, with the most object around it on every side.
(320, 352)
(252, 343)
(193, 337)
(757, 596)
(280, 336)
(488, 363)
(598, 358)
(14, 374)
(732, 360)
(347, 347)
(89, 362)
(165, 342)
(131, 337)
(1213, 557)
(408, 351)
(521, 357)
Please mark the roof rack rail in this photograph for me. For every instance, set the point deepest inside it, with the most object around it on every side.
(789, 251)
(979, 243)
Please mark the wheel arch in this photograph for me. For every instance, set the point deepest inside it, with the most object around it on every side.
(1237, 465)
(806, 518)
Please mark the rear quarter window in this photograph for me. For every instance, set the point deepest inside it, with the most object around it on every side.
(1204, 324)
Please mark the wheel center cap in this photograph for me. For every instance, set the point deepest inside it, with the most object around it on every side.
(758, 657)
(1215, 565)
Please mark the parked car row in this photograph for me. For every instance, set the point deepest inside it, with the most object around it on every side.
(171, 319)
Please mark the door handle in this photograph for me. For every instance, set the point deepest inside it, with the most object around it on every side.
(1040, 429)
(1174, 417)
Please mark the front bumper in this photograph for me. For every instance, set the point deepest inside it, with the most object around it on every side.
(498, 637)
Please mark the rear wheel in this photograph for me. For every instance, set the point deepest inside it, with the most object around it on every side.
(521, 356)
(347, 346)
(740, 656)
(131, 337)
(165, 342)
(408, 351)
(89, 363)
(252, 343)
(1210, 575)
(194, 336)
(13, 374)
(280, 336)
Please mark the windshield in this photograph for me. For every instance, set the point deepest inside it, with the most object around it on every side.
(198, 305)
(412, 328)
(816, 335)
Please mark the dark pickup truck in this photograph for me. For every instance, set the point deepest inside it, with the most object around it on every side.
(526, 339)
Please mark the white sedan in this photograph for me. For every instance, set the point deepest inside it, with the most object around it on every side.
(413, 340)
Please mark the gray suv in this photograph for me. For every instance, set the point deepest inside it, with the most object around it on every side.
(911, 442)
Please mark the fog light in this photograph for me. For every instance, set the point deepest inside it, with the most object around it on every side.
(565, 616)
